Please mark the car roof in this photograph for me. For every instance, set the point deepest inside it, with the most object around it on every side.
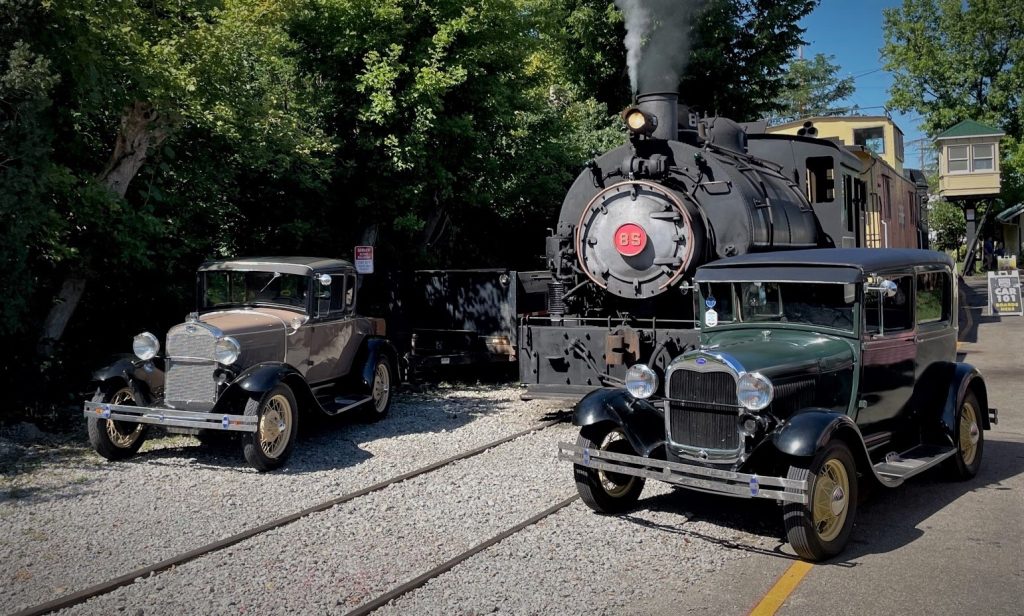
(820, 264)
(285, 265)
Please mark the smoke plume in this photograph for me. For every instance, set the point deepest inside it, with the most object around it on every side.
(657, 41)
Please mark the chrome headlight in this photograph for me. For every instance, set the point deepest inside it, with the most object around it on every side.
(641, 381)
(754, 391)
(145, 346)
(227, 350)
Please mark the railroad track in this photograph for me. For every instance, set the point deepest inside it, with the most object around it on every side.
(129, 578)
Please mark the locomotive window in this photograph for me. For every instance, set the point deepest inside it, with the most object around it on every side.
(871, 138)
(821, 186)
(849, 212)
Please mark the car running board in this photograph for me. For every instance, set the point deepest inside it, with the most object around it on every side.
(338, 405)
(897, 468)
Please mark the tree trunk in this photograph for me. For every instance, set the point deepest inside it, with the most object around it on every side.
(142, 129)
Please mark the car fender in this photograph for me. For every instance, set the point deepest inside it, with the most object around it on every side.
(809, 430)
(260, 378)
(372, 350)
(147, 376)
(962, 378)
(641, 422)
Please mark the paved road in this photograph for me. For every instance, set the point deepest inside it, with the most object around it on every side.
(929, 547)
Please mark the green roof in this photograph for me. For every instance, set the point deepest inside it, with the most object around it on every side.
(969, 128)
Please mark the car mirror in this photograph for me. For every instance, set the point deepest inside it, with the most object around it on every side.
(324, 280)
(886, 288)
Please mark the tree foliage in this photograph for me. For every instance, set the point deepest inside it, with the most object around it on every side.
(954, 60)
(813, 88)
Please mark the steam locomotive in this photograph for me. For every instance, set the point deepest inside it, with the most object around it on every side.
(639, 219)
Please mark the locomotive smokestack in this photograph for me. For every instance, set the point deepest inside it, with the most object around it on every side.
(665, 107)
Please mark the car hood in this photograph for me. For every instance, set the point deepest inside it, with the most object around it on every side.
(262, 333)
(779, 352)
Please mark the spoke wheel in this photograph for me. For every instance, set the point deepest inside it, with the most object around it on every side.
(606, 491)
(821, 528)
(381, 389)
(969, 440)
(270, 445)
(116, 440)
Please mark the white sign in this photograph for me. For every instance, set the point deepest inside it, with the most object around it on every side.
(364, 259)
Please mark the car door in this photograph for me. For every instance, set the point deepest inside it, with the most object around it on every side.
(336, 332)
(889, 355)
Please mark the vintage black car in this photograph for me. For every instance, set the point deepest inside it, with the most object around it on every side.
(269, 336)
(817, 371)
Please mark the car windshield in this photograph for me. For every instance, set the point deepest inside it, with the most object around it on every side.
(237, 288)
(818, 304)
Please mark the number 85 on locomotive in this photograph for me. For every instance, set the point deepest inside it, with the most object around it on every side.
(818, 371)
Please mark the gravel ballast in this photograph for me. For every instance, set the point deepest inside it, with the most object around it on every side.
(74, 519)
(78, 520)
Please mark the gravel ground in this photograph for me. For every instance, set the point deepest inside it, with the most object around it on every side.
(73, 519)
(78, 520)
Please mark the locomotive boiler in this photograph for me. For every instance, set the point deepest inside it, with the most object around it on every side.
(636, 223)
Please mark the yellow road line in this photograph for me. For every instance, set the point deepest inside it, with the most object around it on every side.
(778, 594)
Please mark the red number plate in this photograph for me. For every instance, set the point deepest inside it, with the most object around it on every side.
(630, 239)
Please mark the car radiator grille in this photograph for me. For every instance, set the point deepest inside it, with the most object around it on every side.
(708, 417)
(190, 364)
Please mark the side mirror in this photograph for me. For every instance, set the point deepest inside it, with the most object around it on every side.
(886, 288)
(324, 280)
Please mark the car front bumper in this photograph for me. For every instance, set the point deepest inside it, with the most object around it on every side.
(691, 476)
(171, 417)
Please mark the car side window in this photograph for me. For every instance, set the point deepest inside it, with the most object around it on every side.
(934, 297)
(890, 314)
(350, 292)
(339, 292)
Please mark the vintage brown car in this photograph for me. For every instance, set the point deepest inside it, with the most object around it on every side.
(819, 372)
(270, 336)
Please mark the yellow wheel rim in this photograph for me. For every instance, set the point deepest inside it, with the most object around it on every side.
(969, 433)
(381, 387)
(831, 500)
(614, 488)
(123, 434)
(275, 426)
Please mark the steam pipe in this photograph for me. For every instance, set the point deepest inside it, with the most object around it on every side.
(665, 107)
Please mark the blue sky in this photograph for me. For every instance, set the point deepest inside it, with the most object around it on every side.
(851, 30)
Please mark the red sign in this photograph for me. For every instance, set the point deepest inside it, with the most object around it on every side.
(630, 239)
(364, 259)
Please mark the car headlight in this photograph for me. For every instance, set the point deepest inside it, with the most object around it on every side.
(754, 391)
(145, 346)
(227, 350)
(641, 381)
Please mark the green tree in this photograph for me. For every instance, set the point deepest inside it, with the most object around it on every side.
(948, 223)
(119, 90)
(953, 60)
(740, 52)
(813, 89)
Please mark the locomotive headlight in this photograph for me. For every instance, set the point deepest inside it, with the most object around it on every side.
(145, 346)
(639, 122)
(641, 381)
(754, 391)
(227, 350)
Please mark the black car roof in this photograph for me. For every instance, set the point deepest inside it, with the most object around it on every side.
(821, 264)
(285, 265)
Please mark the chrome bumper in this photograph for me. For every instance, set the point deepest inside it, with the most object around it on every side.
(687, 475)
(171, 417)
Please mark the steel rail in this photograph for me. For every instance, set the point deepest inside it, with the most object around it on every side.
(129, 578)
(416, 582)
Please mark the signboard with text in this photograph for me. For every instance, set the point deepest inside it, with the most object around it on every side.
(364, 259)
(1004, 293)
